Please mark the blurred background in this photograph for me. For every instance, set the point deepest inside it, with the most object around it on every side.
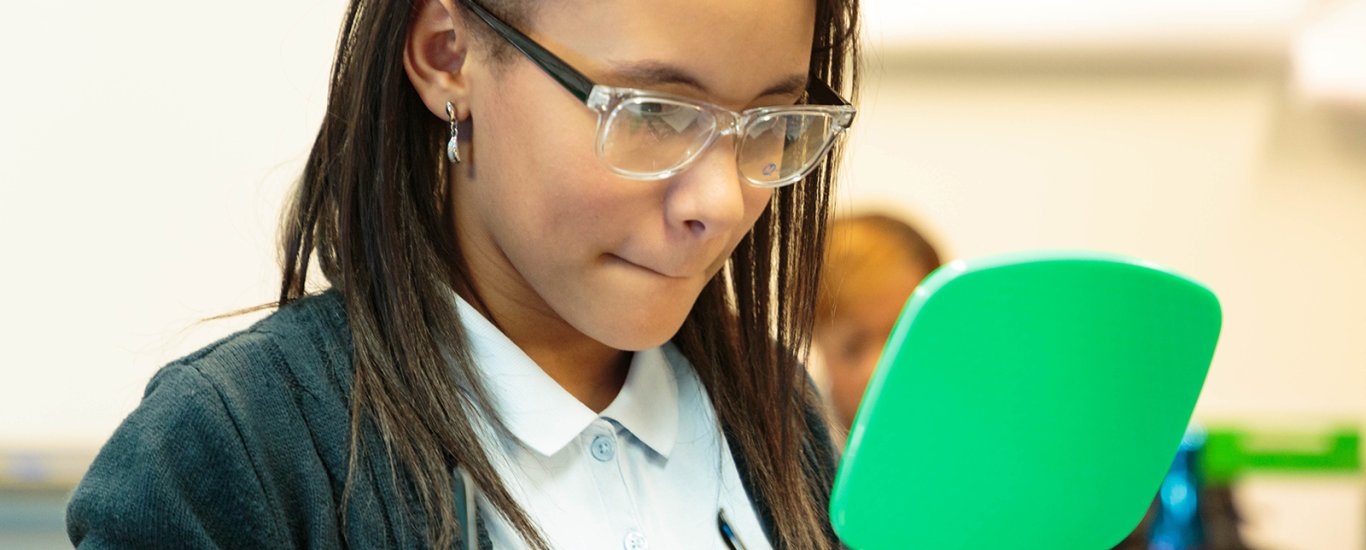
(145, 149)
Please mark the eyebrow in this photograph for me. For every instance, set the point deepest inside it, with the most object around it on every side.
(652, 73)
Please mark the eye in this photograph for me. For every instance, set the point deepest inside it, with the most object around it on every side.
(853, 346)
(657, 108)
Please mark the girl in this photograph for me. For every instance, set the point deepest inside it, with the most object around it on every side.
(569, 248)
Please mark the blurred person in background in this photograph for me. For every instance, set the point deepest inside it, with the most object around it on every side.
(872, 264)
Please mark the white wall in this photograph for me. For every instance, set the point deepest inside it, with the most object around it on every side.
(145, 148)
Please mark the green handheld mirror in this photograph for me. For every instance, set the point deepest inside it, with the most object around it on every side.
(1026, 401)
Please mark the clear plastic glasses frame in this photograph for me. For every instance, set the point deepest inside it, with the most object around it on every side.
(806, 134)
(807, 130)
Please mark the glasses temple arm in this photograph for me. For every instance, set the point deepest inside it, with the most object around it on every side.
(557, 68)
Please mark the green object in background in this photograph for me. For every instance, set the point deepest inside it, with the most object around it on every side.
(1230, 453)
(1026, 401)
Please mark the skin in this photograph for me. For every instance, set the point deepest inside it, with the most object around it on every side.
(851, 342)
(577, 265)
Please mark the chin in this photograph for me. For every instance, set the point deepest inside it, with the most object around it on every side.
(637, 337)
(644, 328)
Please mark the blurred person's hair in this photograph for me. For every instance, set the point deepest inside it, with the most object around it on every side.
(860, 247)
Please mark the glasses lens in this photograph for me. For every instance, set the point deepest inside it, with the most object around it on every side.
(780, 147)
(652, 136)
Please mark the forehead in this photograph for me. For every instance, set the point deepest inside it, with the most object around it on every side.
(736, 48)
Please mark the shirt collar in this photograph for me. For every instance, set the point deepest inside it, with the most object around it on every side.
(545, 417)
(648, 403)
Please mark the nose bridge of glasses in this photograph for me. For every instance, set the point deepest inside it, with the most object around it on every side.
(728, 123)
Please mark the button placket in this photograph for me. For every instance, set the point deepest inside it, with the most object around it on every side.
(605, 444)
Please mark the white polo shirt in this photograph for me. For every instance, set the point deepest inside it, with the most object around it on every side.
(651, 471)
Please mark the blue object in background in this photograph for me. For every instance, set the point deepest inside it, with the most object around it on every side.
(1177, 525)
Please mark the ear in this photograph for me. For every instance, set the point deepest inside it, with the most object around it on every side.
(434, 57)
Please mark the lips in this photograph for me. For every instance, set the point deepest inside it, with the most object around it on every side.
(672, 274)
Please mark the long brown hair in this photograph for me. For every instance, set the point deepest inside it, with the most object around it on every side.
(368, 207)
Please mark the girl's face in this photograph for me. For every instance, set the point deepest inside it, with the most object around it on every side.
(558, 238)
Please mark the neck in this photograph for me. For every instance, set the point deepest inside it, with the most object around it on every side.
(589, 370)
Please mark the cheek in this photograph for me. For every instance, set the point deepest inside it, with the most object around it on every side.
(525, 122)
(552, 212)
(756, 201)
(540, 185)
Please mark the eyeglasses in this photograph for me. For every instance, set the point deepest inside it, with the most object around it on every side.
(649, 135)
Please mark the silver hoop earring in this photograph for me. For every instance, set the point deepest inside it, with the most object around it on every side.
(453, 146)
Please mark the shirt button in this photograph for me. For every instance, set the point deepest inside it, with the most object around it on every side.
(603, 448)
(635, 540)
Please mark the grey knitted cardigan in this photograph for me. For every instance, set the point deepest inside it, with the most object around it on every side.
(244, 444)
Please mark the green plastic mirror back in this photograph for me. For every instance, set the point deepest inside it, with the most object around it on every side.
(1026, 401)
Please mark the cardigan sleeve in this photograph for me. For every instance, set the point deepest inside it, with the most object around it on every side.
(175, 474)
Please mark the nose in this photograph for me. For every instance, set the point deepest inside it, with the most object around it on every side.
(708, 199)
